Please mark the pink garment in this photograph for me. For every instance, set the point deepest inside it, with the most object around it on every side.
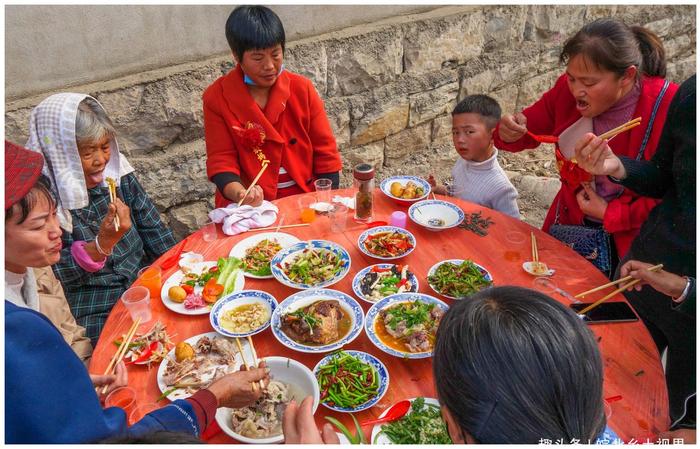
(82, 258)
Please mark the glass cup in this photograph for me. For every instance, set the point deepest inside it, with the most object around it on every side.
(209, 231)
(323, 190)
(122, 397)
(516, 237)
(338, 217)
(150, 277)
(138, 302)
(140, 411)
(308, 214)
(545, 285)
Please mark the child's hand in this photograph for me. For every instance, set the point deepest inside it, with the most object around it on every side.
(431, 181)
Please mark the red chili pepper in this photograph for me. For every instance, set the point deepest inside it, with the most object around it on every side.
(401, 282)
(213, 269)
(380, 270)
(187, 288)
(145, 355)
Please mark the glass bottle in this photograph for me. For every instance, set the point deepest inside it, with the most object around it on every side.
(364, 191)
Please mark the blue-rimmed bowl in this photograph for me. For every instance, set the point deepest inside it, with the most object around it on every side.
(238, 299)
(357, 280)
(434, 268)
(390, 301)
(379, 367)
(287, 255)
(436, 215)
(376, 230)
(385, 186)
(304, 298)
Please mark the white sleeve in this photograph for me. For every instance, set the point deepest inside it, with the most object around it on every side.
(506, 200)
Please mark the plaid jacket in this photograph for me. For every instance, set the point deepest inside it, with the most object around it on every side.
(92, 295)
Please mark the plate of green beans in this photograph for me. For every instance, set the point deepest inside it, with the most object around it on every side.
(351, 381)
(457, 278)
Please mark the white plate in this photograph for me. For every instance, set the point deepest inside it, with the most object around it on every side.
(377, 229)
(529, 268)
(285, 370)
(383, 439)
(424, 211)
(239, 249)
(175, 278)
(434, 268)
(238, 299)
(303, 299)
(357, 280)
(289, 254)
(180, 393)
(385, 187)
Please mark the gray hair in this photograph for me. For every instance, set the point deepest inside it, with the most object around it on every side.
(92, 123)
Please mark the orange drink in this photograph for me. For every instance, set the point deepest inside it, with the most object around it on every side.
(307, 213)
(150, 278)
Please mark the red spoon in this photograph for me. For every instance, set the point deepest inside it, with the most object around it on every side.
(543, 138)
(374, 224)
(172, 260)
(395, 412)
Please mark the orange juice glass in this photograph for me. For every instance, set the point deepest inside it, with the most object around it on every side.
(307, 213)
(150, 277)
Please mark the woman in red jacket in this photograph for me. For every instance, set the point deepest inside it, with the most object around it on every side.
(260, 111)
(613, 73)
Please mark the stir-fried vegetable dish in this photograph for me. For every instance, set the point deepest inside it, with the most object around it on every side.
(381, 282)
(423, 424)
(313, 266)
(257, 258)
(347, 381)
(458, 281)
(388, 244)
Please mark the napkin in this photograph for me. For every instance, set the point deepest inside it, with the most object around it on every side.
(237, 219)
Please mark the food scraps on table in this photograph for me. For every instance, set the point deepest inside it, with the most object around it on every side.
(149, 347)
(476, 224)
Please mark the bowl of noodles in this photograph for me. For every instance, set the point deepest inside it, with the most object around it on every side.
(242, 313)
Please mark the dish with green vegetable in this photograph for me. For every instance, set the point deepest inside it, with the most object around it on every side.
(423, 424)
(312, 264)
(351, 381)
(457, 278)
(258, 250)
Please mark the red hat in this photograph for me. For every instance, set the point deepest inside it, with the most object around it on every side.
(22, 169)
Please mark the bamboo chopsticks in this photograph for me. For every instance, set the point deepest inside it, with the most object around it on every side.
(252, 184)
(112, 187)
(535, 252)
(622, 128)
(121, 351)
(609, 284)
(277, 228)
(255, 358)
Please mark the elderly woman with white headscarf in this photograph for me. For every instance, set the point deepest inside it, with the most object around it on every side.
(99, 259)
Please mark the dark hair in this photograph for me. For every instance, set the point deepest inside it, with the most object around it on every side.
(614, 46)
(253, 28)
(485, 106)
(27, 203)
(513, 365)
(154, 437)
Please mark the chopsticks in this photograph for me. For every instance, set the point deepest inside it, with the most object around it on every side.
(112, 187)
(609, 284)
(123, 348)
(622, 128)
(252, 184)
(535, 253)
(277, 228)
(255, 358)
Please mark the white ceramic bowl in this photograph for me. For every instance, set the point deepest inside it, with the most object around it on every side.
(385, 187)
(372, 231)
(436, 215)
(239, 299)
(285, 370)
(287, 255)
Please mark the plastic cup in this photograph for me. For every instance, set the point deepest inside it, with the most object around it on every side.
(139, 411)
(150, 277)
(545, 285)
(138, 302)
(122, 397)
(398, 219)
(323, 190)
(516, 237)
(338, 217)
(307, 213)
(209, 231)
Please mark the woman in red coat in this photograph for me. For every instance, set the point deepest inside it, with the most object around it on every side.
(261, 112)
(614, 73)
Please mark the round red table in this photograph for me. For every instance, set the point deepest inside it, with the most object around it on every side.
(631, 361)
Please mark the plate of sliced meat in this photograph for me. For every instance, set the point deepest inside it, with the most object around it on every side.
(320, 320)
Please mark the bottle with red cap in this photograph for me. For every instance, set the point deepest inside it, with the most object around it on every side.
(364, 192)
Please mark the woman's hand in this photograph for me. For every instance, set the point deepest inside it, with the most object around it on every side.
(590, 202)
(241, 388)
(595, 156)
(113, 381)
(234, 191)
(108, 236)
(662, 281)
(512, 127)
(299, 427)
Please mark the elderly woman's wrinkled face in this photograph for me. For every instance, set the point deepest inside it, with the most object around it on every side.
(263, 65)
(36, 242)
(94, 157)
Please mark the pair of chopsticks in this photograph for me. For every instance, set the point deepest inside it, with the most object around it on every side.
(535, 252)
(277, 228)
(615, 131)
(255, 358)
(122, 350)
(252, 184)
(624, 287)
(112, 187)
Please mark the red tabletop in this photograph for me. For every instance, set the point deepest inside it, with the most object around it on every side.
(631, 361)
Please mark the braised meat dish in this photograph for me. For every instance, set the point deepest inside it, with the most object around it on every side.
(320, 323)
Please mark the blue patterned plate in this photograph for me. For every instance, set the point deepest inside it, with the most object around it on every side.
(304, 298)
(288, 255)
(390, 301)
(357, 280)
(385, 187)
(436, 215)
(369, 359)
(238, 299)
(376, 230)
(434, 268)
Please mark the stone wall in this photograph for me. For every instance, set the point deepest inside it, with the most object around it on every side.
(388, 89)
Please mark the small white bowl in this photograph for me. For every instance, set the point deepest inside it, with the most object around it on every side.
(436, 215)
(284, 370)
(385, 187)
(529, 267)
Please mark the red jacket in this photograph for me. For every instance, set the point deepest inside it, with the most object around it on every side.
(297, 132)
(555, 112)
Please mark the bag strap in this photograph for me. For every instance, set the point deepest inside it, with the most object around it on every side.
(647, 133)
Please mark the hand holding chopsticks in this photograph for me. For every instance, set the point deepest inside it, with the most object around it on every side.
(608, 136)
(121, 351)
(245, 362)
(112, 187)
(252, 184)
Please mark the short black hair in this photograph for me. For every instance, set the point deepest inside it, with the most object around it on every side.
(25, 205)
(485, 106)
(253, 28)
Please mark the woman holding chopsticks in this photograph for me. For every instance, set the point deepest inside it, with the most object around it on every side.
(108, 233)
(614, 74)
(262, 122)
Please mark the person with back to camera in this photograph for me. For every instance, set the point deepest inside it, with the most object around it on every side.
(260, 98)
(614, 73)
(477, 175)
(511, 366)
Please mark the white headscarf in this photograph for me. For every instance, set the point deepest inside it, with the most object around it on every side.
(52, 133)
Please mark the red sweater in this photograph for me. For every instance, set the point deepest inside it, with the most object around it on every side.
(297, 132)
(555, 112)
